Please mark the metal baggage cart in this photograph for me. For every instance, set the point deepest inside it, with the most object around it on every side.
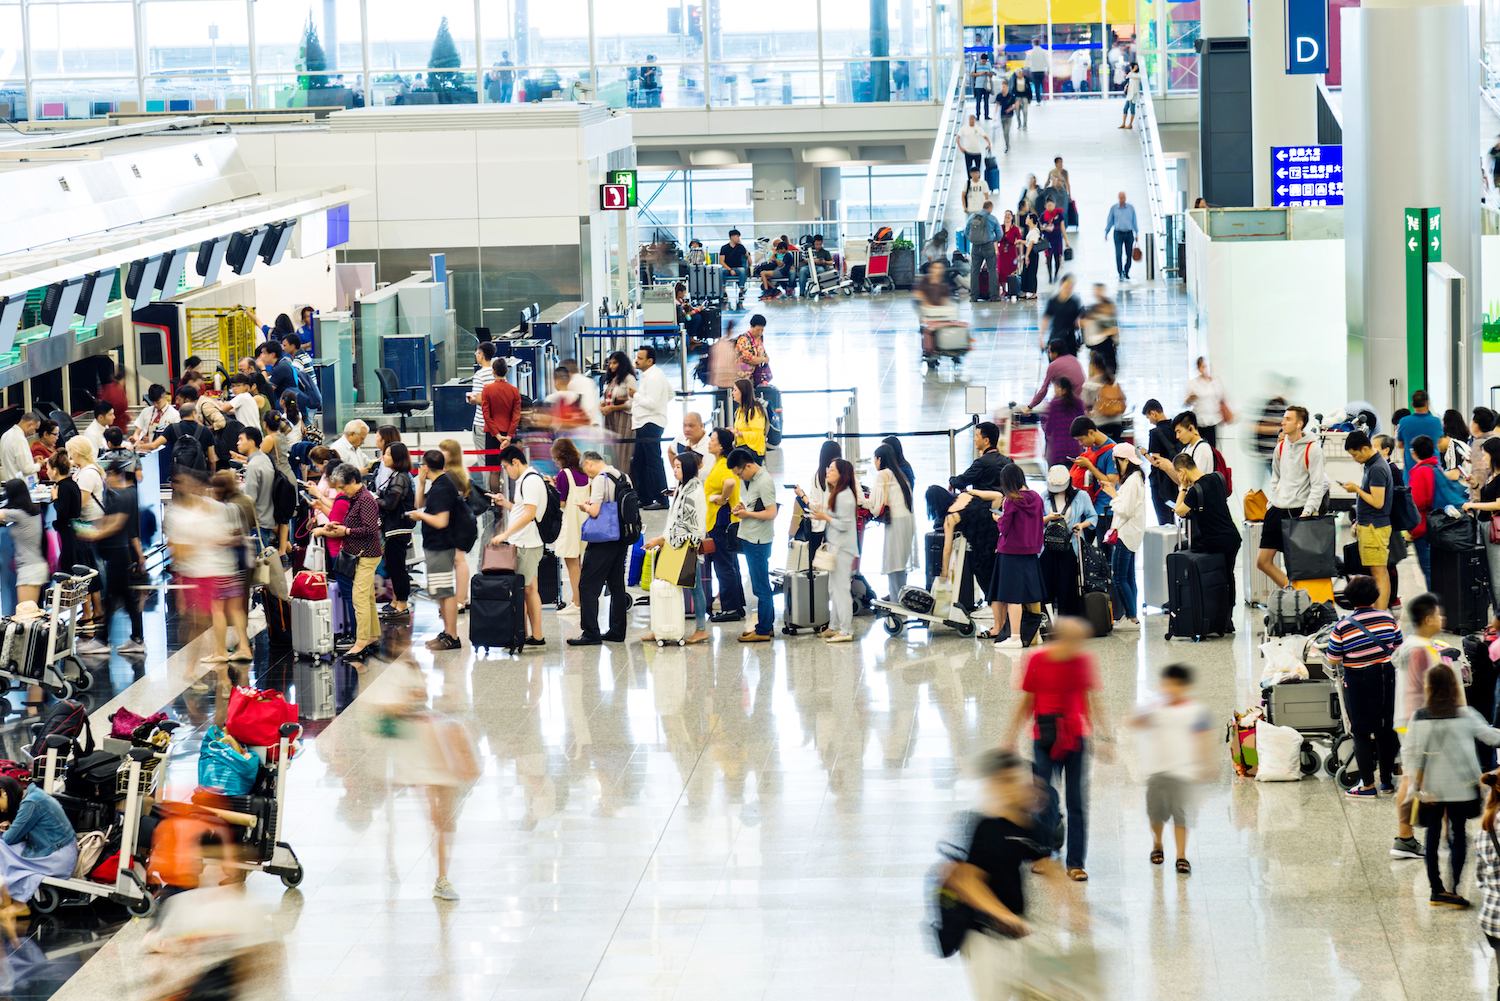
(857, 255)
(945, 611)
(1022, 441)
(61, 674)
(878, 270)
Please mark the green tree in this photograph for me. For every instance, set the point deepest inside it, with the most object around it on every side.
(312, 57)
(444, 56)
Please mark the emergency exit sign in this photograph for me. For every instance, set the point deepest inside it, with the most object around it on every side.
(614, 196)
(1422, 243)
(627, 178)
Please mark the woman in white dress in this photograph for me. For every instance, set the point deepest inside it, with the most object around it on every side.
(890, 502)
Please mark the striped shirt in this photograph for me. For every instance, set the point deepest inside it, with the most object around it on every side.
(1374, 644)
(483, 376)
(1487, 876)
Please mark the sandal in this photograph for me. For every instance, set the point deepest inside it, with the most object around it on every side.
(1157, 856)
(991, 635)
(1079, 876)
(1185, 867)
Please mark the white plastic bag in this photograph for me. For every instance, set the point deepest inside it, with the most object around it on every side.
(1279, 752)
(1283, 659)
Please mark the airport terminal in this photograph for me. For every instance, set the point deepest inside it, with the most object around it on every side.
(588, 502)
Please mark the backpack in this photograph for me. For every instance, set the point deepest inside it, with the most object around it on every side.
(283, 499)
(549, 522)
(1222, 468)
(978, 230)
(68, 718)
(1404, 515)
(464, 524)
(1080, 474)
(883, 235)
(628, 507)
(1111, 400)
(188, 453)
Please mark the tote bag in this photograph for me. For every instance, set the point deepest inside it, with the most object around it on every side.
(1309, 547)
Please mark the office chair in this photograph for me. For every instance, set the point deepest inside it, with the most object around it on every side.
(390, 397)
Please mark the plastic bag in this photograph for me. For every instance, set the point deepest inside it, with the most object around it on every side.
(1278, 752)
(221, 767)
(1283, 659)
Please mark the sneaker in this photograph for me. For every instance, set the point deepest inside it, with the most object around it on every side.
(1387, 789)
(1361, 792)
(1407, 848)
(569, 609)
(1127, 624)
(132, 646)
(1445, 899)
(443, 890)
(1010, 643)
(92, 646)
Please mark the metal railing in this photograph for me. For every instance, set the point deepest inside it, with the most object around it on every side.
(1158, 192)
(932, 210)
(1271, 223)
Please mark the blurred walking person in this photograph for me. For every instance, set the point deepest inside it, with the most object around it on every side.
(1177, 750)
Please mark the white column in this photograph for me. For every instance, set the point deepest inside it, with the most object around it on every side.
(1284, 107)
(1223, 19)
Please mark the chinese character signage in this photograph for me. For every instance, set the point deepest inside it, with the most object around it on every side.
(1307, 175)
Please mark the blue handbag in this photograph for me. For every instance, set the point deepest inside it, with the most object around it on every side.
(604, 528)
(221, 767)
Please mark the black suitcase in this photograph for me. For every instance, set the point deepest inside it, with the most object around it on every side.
(1097, 587)
(934, 557)
(1013, 286)
(1198, 587)
(549, 579)
(497, 612)
(278, 622)
(1354, 568)
(1461, 579)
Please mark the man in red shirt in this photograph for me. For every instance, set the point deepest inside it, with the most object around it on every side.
(111, 392)
(1059, 680)
(500, 403)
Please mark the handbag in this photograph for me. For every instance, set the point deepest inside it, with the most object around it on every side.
(605, 527)
(255, 717)
(825, 558)
(224, 767)
(316, 558)
(498, 559)
(1309, 547)
(1453, 534)
(346, 564)
(310, 585)
(707, 547)
(123, 723)
(676, 566)
(1255, 506)
(1067, 253)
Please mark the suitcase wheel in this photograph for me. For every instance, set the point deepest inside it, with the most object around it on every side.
(894, 624)
(789, 630)
(1309, 759)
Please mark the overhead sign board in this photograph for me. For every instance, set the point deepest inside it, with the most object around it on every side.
(614, 196)
(627, 178)
(1307, 175)
(1306, 36)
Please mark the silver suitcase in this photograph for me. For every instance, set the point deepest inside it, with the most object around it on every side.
(1159, 541)
(705, 281)
(314, 682)
(1258, 587)
(312, 626)
(1306, 706)
(806, 601)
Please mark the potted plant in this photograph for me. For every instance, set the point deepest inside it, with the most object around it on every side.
(903, 263)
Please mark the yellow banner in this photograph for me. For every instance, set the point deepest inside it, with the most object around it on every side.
(977, 13)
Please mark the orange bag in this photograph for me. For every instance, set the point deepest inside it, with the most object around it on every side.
(177, 843)
(1320, 589)
(1255, 507)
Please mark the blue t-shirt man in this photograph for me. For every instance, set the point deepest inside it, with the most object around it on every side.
(1105, 463)
(1414, 426)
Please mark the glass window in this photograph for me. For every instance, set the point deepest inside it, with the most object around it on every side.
(181, 92)
(901, 28)
(764, 83)
(283, 31)
(12, 64)
(768, 30)
(888, 193)
(195, 37)
(1182, 71)
(59, 49)
(83, 98)
(677, 86)
(439, 36)
(535, 34)
(627, 31)
(863, 81)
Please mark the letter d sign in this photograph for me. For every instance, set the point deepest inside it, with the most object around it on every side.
(1306, 36)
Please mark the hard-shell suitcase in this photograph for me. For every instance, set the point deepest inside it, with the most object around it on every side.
(667, 613)
(312, 627)
(992, 178)
(28, 651)
(549, 579)
(1099, 611)
(1200, 590)
(1461, 579)
(1258, 587)
(981, 280)
(806, 601)
(1307, 706)
(315, 690)
(1159, 541)
(705, 281)
(497, 612)
(341, 625)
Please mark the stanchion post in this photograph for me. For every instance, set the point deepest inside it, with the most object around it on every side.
(952, 456)
(682, 354)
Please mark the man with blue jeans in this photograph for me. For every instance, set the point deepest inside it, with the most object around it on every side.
(817, 257)
(757, 513)
(734, 257)
(1121, 219)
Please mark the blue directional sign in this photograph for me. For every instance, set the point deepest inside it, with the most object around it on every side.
(1307, 175)
(1306, 36)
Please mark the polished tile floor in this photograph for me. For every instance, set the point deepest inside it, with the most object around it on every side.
(729, 822)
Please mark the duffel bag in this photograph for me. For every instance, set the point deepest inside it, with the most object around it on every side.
(255, 717)
(916, 599)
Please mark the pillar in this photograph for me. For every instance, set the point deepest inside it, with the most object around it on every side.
(1285, 109)
(830, 191)
(1406, 146)
(1223, 19)
(1224, 101)
(775, 196)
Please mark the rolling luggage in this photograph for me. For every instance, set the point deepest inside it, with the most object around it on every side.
(1461, 578)
(314, 683)
(1097, 586)
(278, 622)
(992, 175)
(705, 281)
(497, 612)
(1258, 587)
(1013, 287)
(549, 579)
(341, 627)
(667, 613)
(951, 337)
(806, 602)
(981, 280)
(312, 627)
(28, 647)
(1160, 540)
(934, 562)
(1310, 706)
(1200, 589)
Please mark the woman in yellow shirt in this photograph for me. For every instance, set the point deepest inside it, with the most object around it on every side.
(722, 488)
(749, 419)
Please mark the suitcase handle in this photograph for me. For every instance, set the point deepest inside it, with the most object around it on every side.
(1333, 705)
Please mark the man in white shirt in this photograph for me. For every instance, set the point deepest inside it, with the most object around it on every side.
(973, 144)
(347, 447)
(1037, 63)
(1298, 489)
(484, 357)
(242, 400)
(104, 417)
(587, 390)
(522, 515)
(693, 438)
(16, 461)
(151, 420)
(648, 418)
(1185, 427)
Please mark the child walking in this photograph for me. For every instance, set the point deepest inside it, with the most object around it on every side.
(1176, 750)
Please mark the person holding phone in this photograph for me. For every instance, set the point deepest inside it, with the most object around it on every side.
(437, 497)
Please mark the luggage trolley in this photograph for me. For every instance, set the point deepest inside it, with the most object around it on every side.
(1021, 439)
(945, 610)
(58, 670)
(258, 817)
(1339, 760)
(878, 270)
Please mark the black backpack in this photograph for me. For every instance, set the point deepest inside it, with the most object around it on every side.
(283, 499)
(187, 451)
(68, 718)
(549, 522)
(464, 524)
(628, 508)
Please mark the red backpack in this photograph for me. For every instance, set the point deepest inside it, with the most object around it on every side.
(1080, 474)
(1222, 468)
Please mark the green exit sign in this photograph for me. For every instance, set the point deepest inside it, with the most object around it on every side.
(627, 178)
